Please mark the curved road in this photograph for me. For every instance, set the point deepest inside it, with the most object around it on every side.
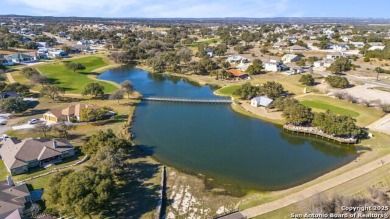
(315, 189)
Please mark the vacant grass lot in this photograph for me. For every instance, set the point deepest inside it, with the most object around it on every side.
(364, 115)
(3, 171)
(74, 82)
(322, 106)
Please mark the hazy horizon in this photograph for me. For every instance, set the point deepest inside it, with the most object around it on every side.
(197, 8)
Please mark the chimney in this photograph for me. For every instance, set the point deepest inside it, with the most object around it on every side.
(10, 182)
(54, 144)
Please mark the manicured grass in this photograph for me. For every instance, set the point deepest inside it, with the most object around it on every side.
(365, 115)
(3, 171)
(324, 106)
(74, 82)
(228, 91)
(207, 41)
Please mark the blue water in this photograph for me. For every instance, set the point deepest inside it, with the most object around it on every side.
(217, 142)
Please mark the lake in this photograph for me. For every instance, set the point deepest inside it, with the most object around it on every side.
(213, 140)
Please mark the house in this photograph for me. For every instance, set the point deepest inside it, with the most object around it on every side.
(346, 38)
(338, 47)
(69, 114)
(23, 57)
(292, 39)
(209, 52)
(237, 59)
(21, 155)
(297, 48)
(41, 44)
(280, 45)
(8, 94)
(335, 55)
(13, 199)
(81, 48)
(83, 42)
(357, 44)
(275, 66)
(56, 53)
(5, 60)
(325, 63)
(238, 74)
(261, 101)
(290, 58)
(372, 48)
(375, 43)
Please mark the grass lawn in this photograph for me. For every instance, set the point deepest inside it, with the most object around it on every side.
(3, 171)
(385, 89)
(206, 41)
(228, 91)
(364, 115)
(74, 82)
(322, 106)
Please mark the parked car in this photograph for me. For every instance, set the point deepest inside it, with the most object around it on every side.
(3, 122)
(4, 137)
(33, 121)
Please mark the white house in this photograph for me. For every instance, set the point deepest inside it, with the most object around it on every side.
(261, 101)
(275, 66)
(358, 44)
(376, 48)
(338, 47)
(335, 55)
(237, 59)
(297, 48)
(290, 58)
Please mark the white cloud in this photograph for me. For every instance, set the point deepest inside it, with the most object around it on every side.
(153, 8)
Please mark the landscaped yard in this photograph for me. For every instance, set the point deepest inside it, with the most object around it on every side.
(364, 115)
(74, 82)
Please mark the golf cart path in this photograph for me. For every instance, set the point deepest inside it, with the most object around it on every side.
(315, 189)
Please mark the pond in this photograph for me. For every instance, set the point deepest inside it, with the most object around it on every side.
(213, 140)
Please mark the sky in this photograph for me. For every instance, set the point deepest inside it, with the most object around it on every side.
(198, 8)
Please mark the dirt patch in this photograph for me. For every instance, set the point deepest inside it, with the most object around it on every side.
(188, 197)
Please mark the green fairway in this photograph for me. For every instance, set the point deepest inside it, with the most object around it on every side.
(325, 106)
(320, 103)
(74, 82)
(227, 91)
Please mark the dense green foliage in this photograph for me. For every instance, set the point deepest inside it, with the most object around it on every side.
(340, 65)
(9, 105)
(93, 89)
(271, 89)
(307, 79)
(337, 81)
(74, 66)
(103, 139)
(255, 68)
(331, 123)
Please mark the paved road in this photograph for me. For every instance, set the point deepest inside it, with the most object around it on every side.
(357, 79)
(315, 189)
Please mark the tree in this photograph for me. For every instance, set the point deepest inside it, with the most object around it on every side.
(28, 72)
(103, 139)
(221, 49)
(80, 193)
(337, 81)
(336, 125)
(43, 128)
(116, 95)
(246, 91)
(127, 87)
(255, 68)
(40, 79)
(340, 65)
(91, 114)
(307, 79)
(184, 54)
(17, 87)
(94, 89)
(379, 70)
(12, 104)
(52, 91)
(301, 62)
(272, 89)
(63, 129)
(74, 66)
(298, 114)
